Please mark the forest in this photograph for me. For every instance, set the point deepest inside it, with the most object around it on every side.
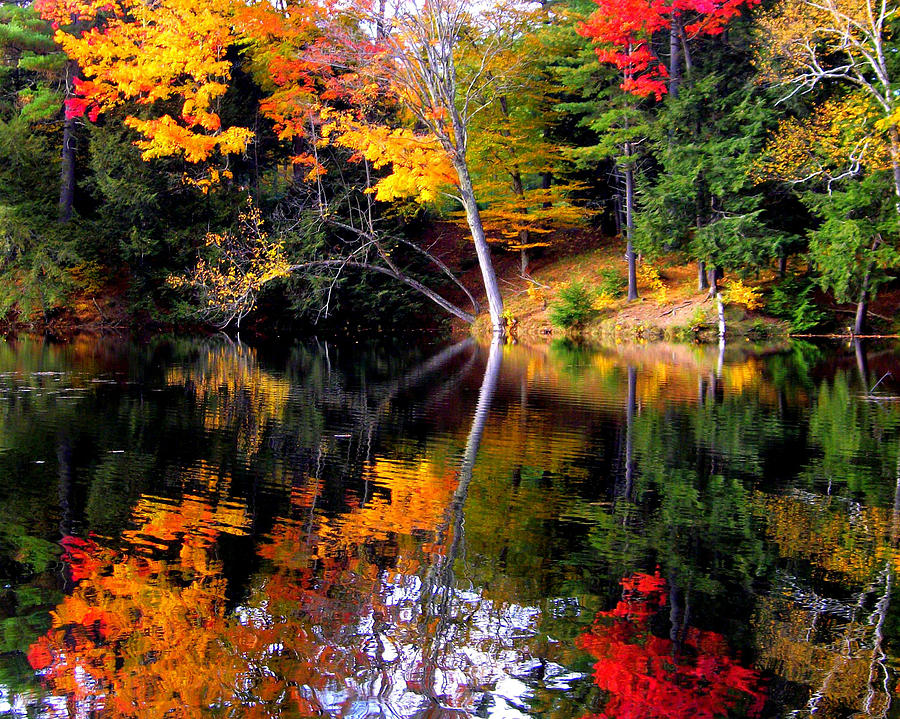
(361, 165)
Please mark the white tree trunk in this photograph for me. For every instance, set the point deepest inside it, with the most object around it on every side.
(482, 250)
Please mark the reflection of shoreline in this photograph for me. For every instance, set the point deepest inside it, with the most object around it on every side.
(398, 542)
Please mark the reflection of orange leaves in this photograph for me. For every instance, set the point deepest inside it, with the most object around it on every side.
(137, 631)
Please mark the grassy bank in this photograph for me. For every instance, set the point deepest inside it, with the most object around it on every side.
(670, 306)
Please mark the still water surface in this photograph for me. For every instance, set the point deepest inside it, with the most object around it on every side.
(199, 528)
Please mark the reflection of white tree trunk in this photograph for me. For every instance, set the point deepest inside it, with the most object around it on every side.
(878, 667)
(878, 695)
(437, 591)
(630, 409)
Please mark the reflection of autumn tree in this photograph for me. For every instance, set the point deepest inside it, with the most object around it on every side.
(234, 391)
(342, 604)
(138, 634)
(649, 677)
(832, 646)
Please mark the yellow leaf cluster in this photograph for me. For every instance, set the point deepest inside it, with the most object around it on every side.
(603, 300)
(165, 51)
(737, 293)
(795, 34)
(244, 260)
(649, 276)
(420, 167)
(840, 133)
(208, 181)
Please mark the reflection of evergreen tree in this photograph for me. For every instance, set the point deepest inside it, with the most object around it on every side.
(341, 471)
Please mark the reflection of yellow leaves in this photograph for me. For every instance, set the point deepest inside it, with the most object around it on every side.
(797, 654)
(823, 531)
(741, 376)
(235, 393)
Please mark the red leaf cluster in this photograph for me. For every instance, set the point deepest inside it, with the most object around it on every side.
(624, 29)
(649, 677)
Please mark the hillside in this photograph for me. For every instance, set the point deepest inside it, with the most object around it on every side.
(672, 310)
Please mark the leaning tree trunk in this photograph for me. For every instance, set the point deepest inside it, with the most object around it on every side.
(862, 307)
(629, 226)
(488, 276)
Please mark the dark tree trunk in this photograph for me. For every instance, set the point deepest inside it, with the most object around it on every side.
(782, 264)
(629, 226)
(67, 171)
(702, 282)
(714, 274)
(688, 63)
(519, 191)
(675, 55)
(862, 309)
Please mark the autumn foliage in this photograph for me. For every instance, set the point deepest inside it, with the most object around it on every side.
(170, 56)
(649, 677)
(624, 29)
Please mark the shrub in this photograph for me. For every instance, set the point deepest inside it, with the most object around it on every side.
(648, 275)
(612, 282)
(737, 293)
(573, 307)
(791, 300)
(698, 319)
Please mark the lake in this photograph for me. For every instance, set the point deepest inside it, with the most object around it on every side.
(203, 528)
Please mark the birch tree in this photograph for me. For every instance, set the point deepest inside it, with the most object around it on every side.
(422, 57)
(810, 43)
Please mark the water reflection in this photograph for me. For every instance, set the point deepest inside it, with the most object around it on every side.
(205, 529)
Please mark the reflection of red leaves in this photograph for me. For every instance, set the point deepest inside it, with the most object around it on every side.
(39, 657)
(648, 677)
(80, 555)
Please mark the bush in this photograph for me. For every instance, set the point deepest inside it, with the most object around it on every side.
(612, 282)
(791, 300)
(737, 293)
(573, 307)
